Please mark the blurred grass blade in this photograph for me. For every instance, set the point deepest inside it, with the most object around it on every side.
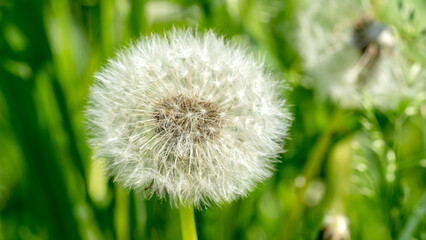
(418, 213)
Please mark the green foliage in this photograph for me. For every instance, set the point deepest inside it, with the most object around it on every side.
(366, 164)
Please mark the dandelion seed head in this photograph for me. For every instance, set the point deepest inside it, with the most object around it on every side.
(353, 58)
(187, 116)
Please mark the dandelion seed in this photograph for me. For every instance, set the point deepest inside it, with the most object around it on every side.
(188, 116)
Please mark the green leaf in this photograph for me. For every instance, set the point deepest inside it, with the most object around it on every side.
(418, 213)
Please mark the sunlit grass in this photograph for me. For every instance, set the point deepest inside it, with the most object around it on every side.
(372, 163)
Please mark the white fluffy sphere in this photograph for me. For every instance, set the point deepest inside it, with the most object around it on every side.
(188, 116)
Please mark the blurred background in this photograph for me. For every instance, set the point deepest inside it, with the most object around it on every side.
(348, 173)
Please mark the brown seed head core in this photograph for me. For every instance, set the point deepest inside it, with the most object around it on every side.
(366, 36)
(366, 33)
(186, 118)
(359, 33)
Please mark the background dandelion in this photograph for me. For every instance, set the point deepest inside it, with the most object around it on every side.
(50, 189)
(352, 52)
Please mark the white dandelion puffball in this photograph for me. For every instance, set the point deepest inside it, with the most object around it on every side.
(188, 116)
(352, 56)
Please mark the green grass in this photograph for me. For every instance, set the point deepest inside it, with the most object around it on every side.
(50, 188)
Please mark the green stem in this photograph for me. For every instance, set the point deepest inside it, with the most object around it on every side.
(311, 169)
(187, 222)
(319, 150)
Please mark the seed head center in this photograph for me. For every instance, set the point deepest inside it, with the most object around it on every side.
(186, 118)
(366, 33)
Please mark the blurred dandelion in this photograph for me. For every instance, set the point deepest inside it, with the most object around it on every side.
(187, 116)
(352, 56)
(336, 227)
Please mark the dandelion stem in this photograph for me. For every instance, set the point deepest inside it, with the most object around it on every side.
(187, 222)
